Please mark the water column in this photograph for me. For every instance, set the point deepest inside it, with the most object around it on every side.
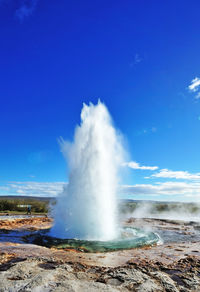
(87, 208)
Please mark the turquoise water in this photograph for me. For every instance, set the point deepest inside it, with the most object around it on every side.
(129, 238)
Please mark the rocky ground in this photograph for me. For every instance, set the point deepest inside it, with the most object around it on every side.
(29, 223)
(172, 266)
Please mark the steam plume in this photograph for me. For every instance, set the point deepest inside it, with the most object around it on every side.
(87, 207)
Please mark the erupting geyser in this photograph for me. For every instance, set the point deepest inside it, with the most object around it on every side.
(87, 208)
(85, 216)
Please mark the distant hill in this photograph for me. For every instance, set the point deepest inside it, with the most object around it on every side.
(48, 199)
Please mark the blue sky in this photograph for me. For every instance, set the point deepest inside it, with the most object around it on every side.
(141, 58)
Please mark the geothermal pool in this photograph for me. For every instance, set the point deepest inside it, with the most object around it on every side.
(129, 238)
(35, 231)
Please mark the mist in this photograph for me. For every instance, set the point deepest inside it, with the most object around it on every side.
(162, 210)
(87, 208)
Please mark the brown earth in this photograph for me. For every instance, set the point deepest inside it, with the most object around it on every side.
(33, 223)
(172, 266)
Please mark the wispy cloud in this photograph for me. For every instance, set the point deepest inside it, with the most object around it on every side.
(183, 189)
(195, 83)
(197, 96)
(39, 189)
(135, 165)
(195, 87)
(26, 9)
(136, 60)
(147, 131)
(31, 175)
(166, 173)
(153, 129)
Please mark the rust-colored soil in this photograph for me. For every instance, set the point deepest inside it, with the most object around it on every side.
(33, 223)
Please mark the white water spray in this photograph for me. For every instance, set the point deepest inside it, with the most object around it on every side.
(87, 208)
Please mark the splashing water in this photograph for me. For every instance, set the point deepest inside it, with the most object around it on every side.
(87, 207)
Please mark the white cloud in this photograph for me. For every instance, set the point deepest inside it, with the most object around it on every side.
(183, 189)
(195, 87)
(39, 189)
(195, 83)
(166, 173)
(135, 165)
